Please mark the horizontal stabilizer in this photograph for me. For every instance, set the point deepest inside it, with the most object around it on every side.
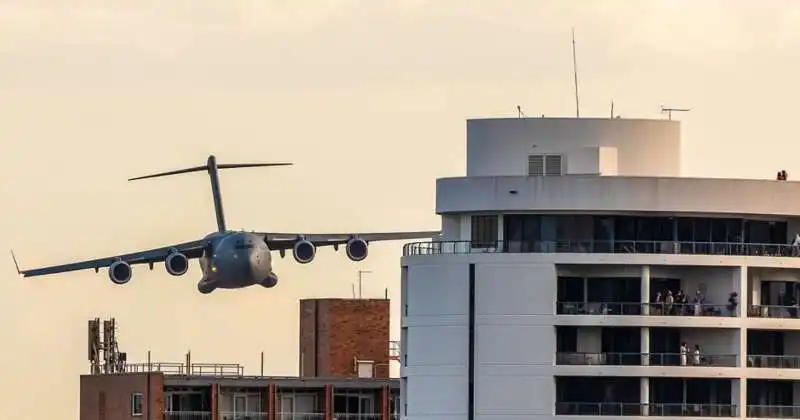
(211, 166)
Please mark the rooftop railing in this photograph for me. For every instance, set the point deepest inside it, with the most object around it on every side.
(650, 309)
(601, 247)
(773, 411)
(173, 368)
(773, 362)
(644, 359)
(651, 409)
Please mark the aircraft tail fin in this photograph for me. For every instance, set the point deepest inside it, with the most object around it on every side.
(16, 264)
(212, 168)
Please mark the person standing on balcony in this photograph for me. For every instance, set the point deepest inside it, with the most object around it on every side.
(696, 355)
(684, 353)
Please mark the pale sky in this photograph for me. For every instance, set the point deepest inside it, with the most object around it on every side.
(368, 98)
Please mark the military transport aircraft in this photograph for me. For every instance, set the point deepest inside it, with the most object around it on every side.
(228, 259)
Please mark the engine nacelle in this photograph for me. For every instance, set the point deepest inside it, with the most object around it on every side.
(177, 264)
(120, 272)
(304, 251)
(357, 249)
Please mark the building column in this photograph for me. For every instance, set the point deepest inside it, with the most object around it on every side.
(645, 290)
(214, 401)
(739, 397)
(385, 403)
(270, 403)
(328, 402)
(644, 348)
(743, 288)
(644, 395)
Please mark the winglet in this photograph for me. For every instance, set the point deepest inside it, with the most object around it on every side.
(16, 265)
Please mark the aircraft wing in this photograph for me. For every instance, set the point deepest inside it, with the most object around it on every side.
(278, 241)
(192, 249)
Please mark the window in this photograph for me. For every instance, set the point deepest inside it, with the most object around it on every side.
(484, 231)
(545, 165)
(137, 403)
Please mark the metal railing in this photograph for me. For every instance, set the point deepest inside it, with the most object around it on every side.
(601, 247)
(173, 368)
(651, 409)
(645, 359)
(651, 309)
(299, 416)
(236, 415)
(773, 411)
(187, 415)
(773, 311)
(352, 416)
(774, 362)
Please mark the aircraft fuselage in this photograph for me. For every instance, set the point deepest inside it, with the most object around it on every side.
(236, 260)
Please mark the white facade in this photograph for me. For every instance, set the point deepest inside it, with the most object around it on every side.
(517, 311)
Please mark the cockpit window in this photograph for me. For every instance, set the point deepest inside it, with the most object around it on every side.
(244, 246)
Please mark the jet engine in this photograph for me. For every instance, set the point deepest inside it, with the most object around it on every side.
(176, 263)
(120, 272)
(356, 249)
(304, 251)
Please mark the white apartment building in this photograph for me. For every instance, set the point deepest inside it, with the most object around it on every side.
(555, 290)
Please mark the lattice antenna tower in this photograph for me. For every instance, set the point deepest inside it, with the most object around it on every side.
(104, 354)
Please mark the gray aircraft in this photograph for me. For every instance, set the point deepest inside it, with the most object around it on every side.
(229, 259)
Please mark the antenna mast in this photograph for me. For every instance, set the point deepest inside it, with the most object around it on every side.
(575, 75)
(669, 111)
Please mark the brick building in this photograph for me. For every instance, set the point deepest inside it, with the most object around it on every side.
(345, 356)
(344, 338)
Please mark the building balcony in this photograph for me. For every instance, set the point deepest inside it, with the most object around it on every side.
(773, 411)
(651, 409)
(646, 359)
(773, 311)
(299, 416)
(773, 362)
(601, 247)
(187, 415)
(647, 309)
(231, 415)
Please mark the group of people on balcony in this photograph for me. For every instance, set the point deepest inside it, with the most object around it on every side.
(668, 303)
(684, 352)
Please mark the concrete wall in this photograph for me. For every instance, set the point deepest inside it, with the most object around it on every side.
(108, 397)
(500, 146)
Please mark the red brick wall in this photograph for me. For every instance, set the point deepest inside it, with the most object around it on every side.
(108, 397)
(346, 329)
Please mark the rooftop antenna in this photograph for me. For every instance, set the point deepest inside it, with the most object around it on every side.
(612, 108)
(520, 114)
(668, 111)
(360, 276)
(575, 74)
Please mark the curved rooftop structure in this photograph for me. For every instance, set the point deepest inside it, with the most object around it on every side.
(580, 274)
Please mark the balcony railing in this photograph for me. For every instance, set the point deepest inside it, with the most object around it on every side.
(356, 416)
(601, 247)
(651, 309)
(773, 362)
(187, 415)
(644, 359)
(652, 409)
(773, 311)
(234, 415)
(299, 416)
(773, 411)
